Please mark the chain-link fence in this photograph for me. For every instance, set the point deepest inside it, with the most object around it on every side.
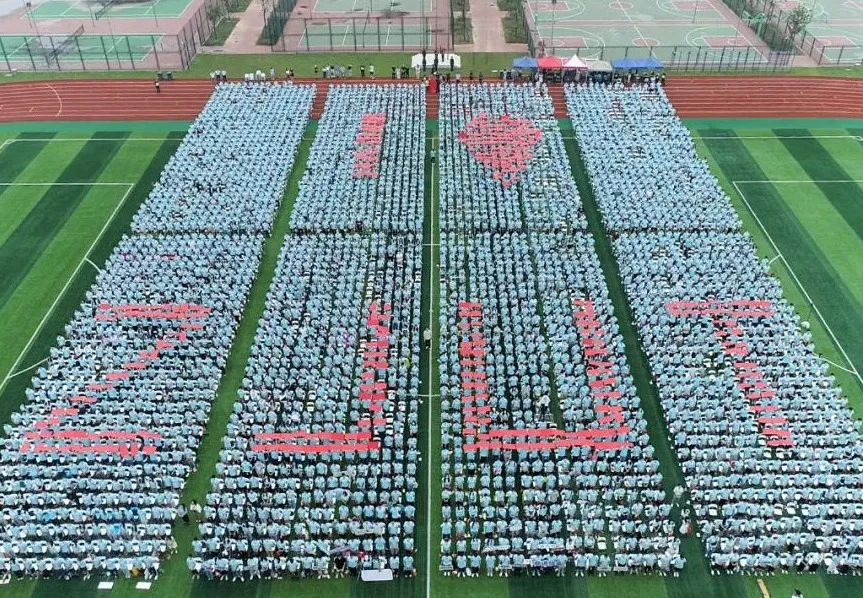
(771, 22)
(365, 33)
(77, 51)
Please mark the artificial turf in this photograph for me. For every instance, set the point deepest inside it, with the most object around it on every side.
(810, 222)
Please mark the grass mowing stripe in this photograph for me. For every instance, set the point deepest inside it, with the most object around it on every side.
(13, 394)
(14, 161)
(695, 579)
(816, 274)
(815, 271)
(24, 246)
(821, 166)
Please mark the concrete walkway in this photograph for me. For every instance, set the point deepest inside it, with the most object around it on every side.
(487, 25)
(244, 37)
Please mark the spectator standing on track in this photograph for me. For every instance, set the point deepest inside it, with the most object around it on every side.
(362, 71)
(372, 71)
(158, 88)
(451, 62)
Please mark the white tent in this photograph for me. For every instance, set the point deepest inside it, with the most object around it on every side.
(598, 66)
(442, 61)
(575, 63)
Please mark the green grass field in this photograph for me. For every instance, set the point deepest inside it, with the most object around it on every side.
(47, 228)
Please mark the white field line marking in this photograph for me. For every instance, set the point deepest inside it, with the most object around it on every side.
(55, 184)
(855, 137)
(53, 139)
(25, 370)
(430, 402)
(839, 346)
(797, 182)
(65, 286)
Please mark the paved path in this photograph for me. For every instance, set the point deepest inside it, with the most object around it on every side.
(487, 24)
(244, 37)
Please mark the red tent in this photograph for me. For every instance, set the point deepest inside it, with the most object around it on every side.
(549, 62)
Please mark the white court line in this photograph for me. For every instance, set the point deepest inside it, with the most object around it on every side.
(637, 30)
(855, 137)
(62, 292)
(25, 370)
(430, 402)
(839, 346)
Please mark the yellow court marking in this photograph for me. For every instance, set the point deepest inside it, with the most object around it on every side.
(763, 587)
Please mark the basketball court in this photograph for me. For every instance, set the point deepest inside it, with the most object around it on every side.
(667, 29)
(837, 27)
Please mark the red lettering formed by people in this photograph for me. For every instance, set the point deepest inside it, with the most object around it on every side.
(47, 439)
(725, 317)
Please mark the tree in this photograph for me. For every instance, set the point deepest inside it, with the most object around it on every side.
(799, 18)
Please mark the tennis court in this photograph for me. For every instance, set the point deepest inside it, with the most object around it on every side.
(372, 6)
(22, 48)
(663, 28)
(82, 9)
(365, 33)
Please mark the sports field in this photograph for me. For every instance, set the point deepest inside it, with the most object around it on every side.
(836, 25)
(366, 34)
(358, 7)
(82, 9)
(605, 29)
(122, 48)
(800, 186)
(69, 191)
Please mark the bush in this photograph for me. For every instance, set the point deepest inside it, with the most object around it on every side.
(514, 31)
(462, 30)
(275, 21)
(221, 32)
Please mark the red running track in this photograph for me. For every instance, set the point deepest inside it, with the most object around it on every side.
(709, 96)
(773, 96)
(129, 99)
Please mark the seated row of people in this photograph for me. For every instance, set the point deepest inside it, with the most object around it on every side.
(767, 443)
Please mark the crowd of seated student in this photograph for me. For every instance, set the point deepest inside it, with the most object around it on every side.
(318, 471)
(94, 460)
(546, 460)
(768, 445)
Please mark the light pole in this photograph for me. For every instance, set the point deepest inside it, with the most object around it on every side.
(553, 19)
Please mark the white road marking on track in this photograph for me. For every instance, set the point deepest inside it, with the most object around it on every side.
(839, 346)
(59, 99)
(65, 286)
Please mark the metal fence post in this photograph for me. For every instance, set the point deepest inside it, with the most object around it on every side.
(54, 53)
(403, 32)
(839, 58)
(155, 52)
(105, 51)
(354, 28)
(330, 28)
(5, 56)
(378, 23)
(80, 55)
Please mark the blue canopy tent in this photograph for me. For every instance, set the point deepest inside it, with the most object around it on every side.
(636, 64)
(524, 62)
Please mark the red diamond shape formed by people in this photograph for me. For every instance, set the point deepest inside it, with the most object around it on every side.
(503, 144)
